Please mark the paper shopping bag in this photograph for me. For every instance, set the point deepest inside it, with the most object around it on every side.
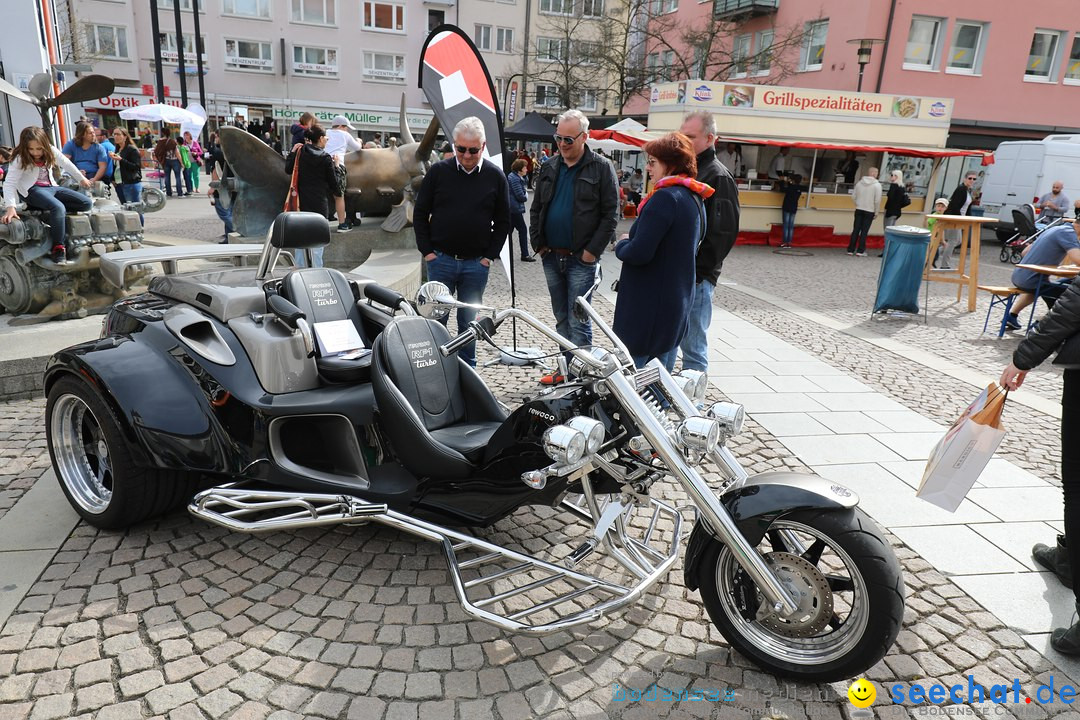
(959, 458)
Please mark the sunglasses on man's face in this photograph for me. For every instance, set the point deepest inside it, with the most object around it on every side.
(566, 139)
(467, 150)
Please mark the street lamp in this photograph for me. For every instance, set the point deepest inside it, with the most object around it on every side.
(866, 47)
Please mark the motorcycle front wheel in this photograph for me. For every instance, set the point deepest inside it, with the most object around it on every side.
(849, 587)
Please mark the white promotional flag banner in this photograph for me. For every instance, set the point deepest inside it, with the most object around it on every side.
(194, 127)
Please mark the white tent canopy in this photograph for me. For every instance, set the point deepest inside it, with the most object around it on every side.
(159, 112)
(624, 125)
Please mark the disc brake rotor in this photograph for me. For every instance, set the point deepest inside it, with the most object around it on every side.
(811, 592)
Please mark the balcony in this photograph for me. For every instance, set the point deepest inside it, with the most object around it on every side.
(743, 9)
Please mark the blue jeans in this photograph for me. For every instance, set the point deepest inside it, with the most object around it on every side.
(300, 255)
(666, 359)
(187, 181)
(225, 213)
(172, 167)
(789, 227)
(695, 344)
(568, 278)
(466, 278)
(57, 202)
(130, 193)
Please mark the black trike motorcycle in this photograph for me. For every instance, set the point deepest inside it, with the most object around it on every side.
(273, 398)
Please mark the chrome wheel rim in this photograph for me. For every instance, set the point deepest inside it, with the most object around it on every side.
(82, 454)
(846, 597)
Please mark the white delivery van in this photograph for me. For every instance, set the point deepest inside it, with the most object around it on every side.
(1023, 172)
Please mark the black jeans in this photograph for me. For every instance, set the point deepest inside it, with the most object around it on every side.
(1070, 468)
(859, 230)
(517, 222)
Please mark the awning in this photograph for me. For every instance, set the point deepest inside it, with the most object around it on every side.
(643, 136)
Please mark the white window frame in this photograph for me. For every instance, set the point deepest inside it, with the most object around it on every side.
(264, 65)
(184, 5)
(482, 37)
(504, 40)
(326, 74)
(652, 67)
(979, 49)
(296, 7)
(740, 55)
(663, 7)
(561, 7)
(263, 11)
(93, 30)
(760, 47)
(589, 100)
(935, 44)
(169, 53)
(376, 28)
(547, 96)
(546, 56)
(1055, 59)
(808, 45)
(592, 8)
(1073, 61)
(373, 74)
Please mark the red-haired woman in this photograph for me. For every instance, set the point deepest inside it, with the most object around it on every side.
(656, 287)
(30, 176)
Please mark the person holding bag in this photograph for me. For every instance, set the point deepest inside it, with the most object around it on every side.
(314, 180)
(128, 162)
(1059, 329)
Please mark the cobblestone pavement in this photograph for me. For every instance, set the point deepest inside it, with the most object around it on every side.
(179, 619)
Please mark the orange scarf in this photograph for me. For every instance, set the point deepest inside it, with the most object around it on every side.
(686, 181)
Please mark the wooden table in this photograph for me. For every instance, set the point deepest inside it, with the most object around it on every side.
(969, 242)
(1044, 272)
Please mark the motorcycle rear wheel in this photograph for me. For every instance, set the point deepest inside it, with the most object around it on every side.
(851, 596)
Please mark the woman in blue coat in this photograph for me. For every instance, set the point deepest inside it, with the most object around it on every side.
(656, 287)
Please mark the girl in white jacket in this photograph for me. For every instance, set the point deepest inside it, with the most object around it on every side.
(30, 177)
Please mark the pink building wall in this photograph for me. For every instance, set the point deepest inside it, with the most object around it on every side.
(998, 95)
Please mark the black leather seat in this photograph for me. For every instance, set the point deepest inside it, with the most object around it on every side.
(323, 294)
(437, 412)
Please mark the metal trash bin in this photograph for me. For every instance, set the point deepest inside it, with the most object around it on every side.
(902, 266)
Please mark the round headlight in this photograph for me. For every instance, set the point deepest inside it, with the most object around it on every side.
(563, 444)
(593, 430)
(729, 415)
(695, 384)
(698, 433)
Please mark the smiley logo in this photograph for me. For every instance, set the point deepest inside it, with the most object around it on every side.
(862, 693)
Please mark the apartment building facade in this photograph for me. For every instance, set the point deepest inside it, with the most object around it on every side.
(1012, 74)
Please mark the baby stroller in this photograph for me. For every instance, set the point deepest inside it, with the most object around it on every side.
(1026, 232)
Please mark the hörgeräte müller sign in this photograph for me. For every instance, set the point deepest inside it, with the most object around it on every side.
(744, 98)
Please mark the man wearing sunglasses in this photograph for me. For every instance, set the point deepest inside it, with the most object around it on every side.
(571, 221)
(461, 219)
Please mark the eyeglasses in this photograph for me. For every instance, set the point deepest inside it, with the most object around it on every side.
(972, 178)
(467, 150)
(566, 139)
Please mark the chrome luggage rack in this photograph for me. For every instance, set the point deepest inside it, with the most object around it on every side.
(512, 590)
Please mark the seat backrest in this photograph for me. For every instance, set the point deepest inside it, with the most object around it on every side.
(1024, 220)
(324, 294)
(298, 230)
(408, 350)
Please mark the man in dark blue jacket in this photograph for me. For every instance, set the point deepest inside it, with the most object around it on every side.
(572, 222)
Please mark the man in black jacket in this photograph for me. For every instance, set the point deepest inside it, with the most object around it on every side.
(461, 219)
(721, 229)
(571, 222)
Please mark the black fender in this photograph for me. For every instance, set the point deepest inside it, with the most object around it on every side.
(161, 409)
(759, 502)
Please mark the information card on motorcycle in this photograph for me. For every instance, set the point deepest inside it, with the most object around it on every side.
(337, 336)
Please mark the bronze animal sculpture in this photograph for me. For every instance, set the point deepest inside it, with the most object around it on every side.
(381, 181)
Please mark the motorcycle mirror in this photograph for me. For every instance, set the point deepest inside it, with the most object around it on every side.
(598, 277)
(432, 299)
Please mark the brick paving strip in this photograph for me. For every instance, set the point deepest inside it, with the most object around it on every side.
(179, 619)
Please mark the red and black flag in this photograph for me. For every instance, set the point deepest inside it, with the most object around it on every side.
(457, 85)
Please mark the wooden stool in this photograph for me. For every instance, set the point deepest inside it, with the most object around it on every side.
(1001, 296)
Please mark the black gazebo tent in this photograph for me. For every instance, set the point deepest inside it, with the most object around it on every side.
(531, 127)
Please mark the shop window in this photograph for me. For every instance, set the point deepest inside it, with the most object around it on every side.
(1072, 68)
(482, 37)
(924, 40)
(550, 49)
(966, 53)
(557, 7)
(740, 54)
(813, 47)
(247, 8)
(388, 17)
(108, 41)
(761, 62)
(1042, 64)
(316, 12)
(547, 96)
(249, 55)
(315, 61)
(384, 67)
(504, 40)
